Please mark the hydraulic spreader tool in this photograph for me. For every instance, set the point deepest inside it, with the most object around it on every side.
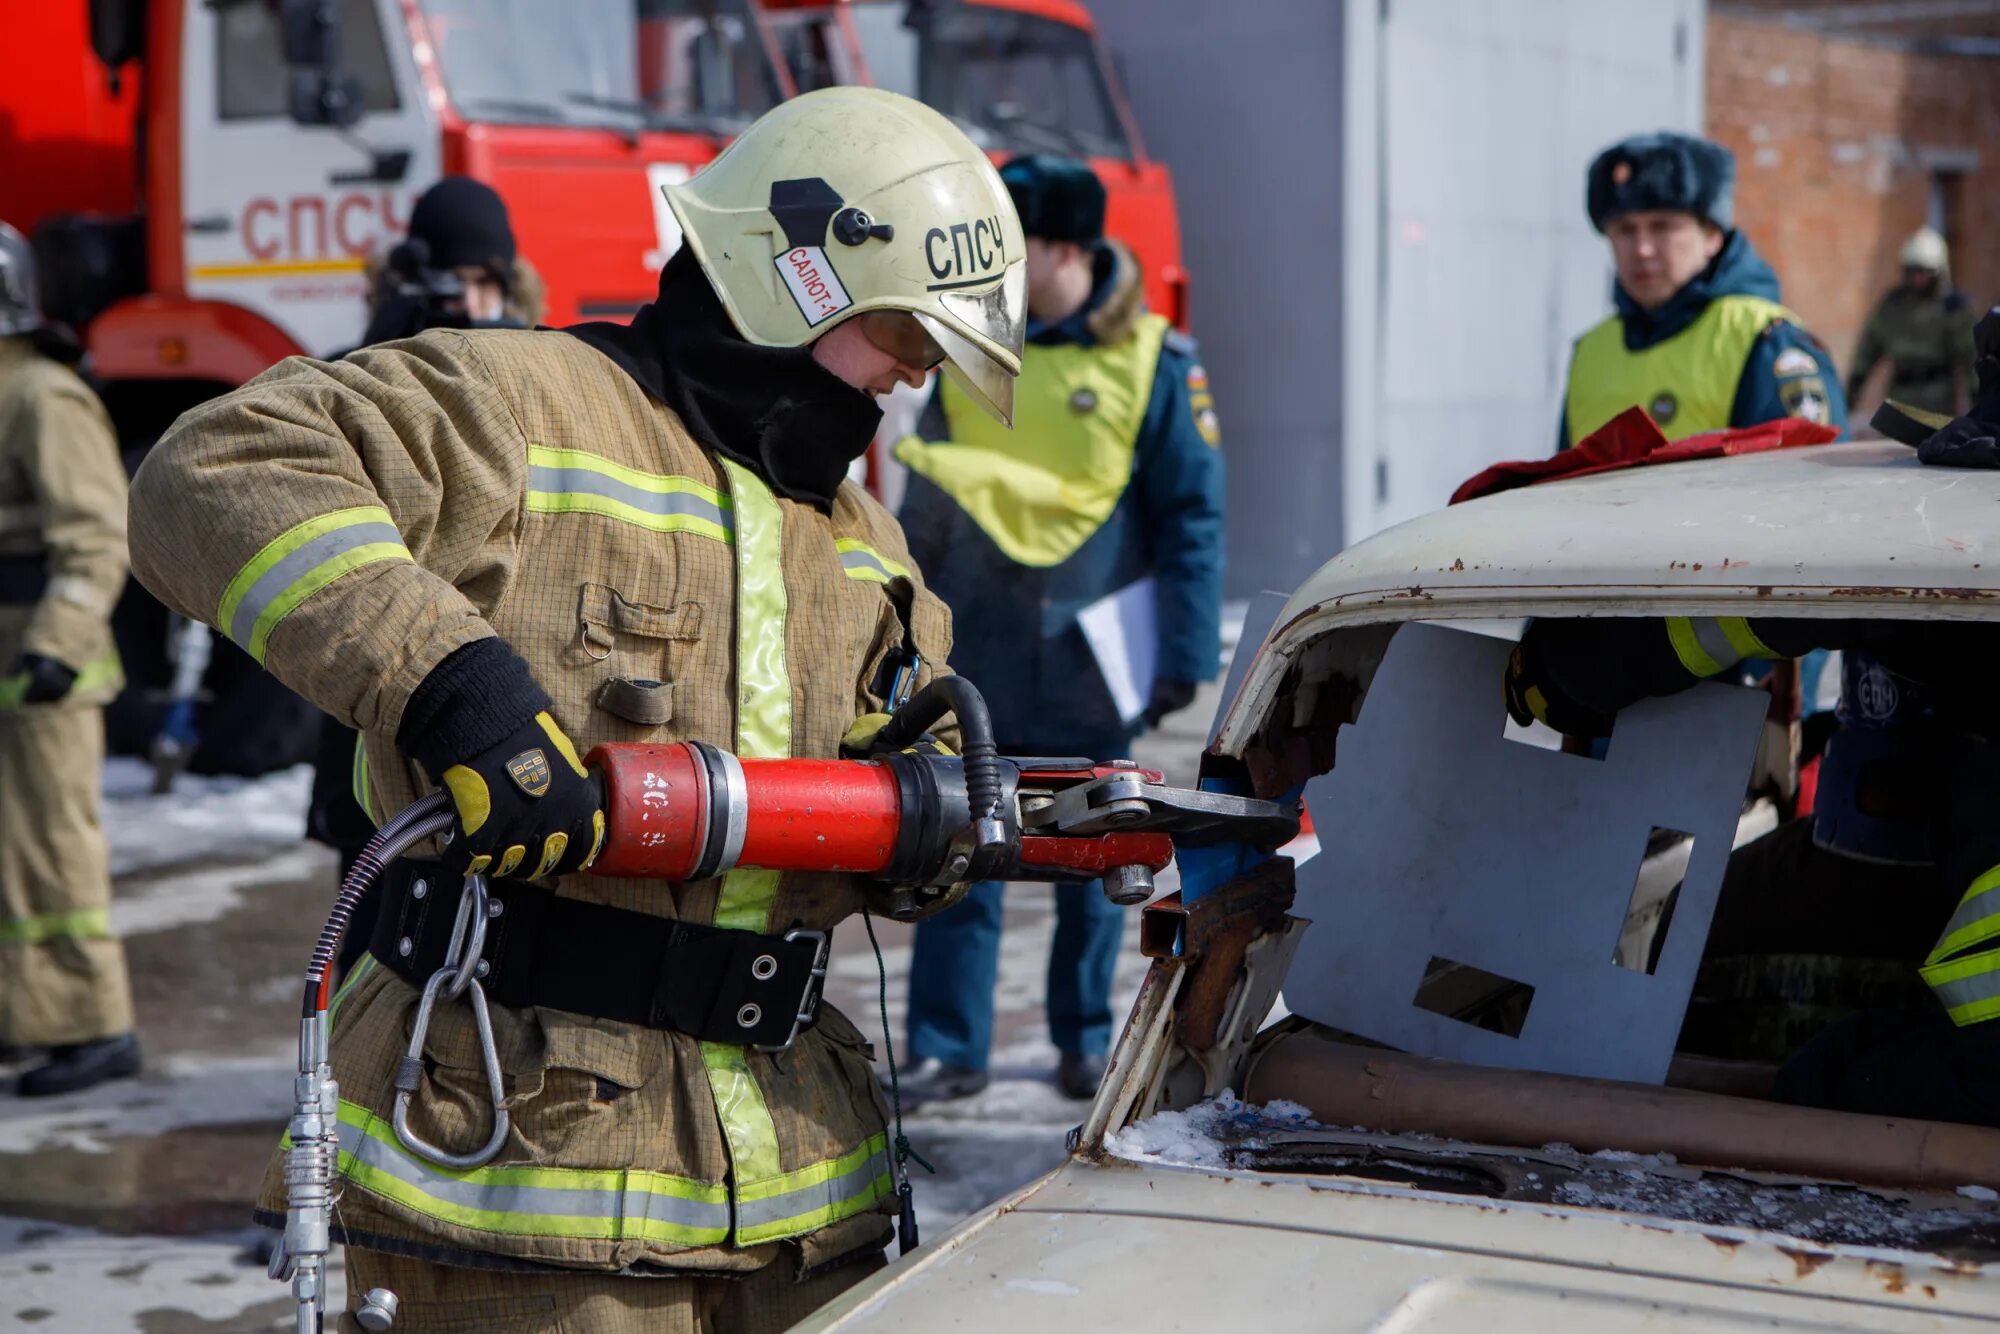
(909, 816)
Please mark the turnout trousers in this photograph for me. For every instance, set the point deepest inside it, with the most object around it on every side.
(439, 1299)
(62, 972)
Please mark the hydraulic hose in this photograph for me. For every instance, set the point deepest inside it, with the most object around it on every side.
(414, 823)
(959, 697)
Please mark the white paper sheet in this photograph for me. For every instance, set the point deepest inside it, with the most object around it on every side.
(1123, 630)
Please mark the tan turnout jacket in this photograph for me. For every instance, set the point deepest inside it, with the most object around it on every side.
(351, 524)
(62, 507)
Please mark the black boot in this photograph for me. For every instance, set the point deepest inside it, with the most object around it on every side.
(1079, 1073)
(931, 1080)
(84, 1065)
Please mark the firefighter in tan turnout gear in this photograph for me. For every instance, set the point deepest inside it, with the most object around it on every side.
(490, 551)
(64, 994)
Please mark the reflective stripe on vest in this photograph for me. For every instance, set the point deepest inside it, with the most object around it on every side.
(1040, 490)
(297, 564)
(1710, 645)
(1968, 985)
(84, 924)
(1694, 374)
(861, 561)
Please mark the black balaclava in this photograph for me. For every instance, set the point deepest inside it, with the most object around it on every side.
(774, 410)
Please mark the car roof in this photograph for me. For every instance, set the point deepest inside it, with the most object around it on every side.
(1846, 530)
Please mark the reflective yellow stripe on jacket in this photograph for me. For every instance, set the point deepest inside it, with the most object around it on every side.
(298, 563)
(1963, 976)
(85, 924)
(1710, 645)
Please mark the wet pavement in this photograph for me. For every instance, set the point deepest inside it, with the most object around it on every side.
(125, 1208)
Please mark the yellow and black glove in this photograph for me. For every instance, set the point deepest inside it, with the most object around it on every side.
(1533, 697)
(480, 726)
(859, 742)
(35, 679)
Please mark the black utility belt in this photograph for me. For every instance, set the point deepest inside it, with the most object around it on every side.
(609, 963)
(23, 579)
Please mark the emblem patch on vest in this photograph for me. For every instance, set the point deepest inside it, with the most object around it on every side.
(1663, 407)
(1805, 397)
(1082, 401)
(1795, 361)
(530, 772)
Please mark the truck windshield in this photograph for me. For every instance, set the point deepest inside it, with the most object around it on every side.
(1011, 80)
(624, 64)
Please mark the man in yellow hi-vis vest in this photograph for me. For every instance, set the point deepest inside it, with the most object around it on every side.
(1699, 339)
(63, 986)
(491, 550)
(1112, 474)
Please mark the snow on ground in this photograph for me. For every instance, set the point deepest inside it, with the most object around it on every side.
(175, 1091)
(75, 1279)
(202, 819)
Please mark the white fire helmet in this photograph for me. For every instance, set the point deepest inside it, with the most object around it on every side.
(847, 200)
(1925, 250)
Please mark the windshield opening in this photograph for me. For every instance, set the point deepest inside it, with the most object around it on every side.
(620, 64)
(1012, 81)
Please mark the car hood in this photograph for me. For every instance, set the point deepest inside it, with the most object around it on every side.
(1111, 1246)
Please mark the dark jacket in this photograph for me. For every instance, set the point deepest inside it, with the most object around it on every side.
(1015, 632)
(1761, 392)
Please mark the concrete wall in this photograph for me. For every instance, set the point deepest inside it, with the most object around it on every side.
(1382, 213)
(1836, 145)
(1242, 101)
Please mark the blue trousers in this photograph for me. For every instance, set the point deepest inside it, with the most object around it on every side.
(956, 964)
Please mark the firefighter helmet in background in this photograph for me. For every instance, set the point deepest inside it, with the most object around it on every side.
(20, 307)
(848, 200)
(1925, 250)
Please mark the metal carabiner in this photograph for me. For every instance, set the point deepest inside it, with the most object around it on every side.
(458, 976)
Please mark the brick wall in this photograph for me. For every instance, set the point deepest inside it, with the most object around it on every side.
(1835, 143)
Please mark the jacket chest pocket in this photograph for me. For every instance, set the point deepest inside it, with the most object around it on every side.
(639, 647)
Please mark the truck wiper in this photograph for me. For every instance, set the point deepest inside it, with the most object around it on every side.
(517, 106)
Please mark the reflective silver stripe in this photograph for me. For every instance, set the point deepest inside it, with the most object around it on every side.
(868, 562)
(1708, 633)
(527, 1202)
(821, 1195)
(271, 584)
(1972, 911)
(1958, 991)
(663, 504)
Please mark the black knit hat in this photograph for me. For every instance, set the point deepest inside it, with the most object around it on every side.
(1058, 198)
(464, 223)
(1662, 171)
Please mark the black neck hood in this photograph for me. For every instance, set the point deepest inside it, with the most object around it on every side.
(774, 410)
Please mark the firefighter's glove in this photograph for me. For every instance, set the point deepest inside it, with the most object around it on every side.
(859, 742)
(1973, 440)
(480, 726)
(35, 679)
(1532, 697)
(1169, 696)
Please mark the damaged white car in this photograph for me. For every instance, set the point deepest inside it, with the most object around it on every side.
(1484, 1062)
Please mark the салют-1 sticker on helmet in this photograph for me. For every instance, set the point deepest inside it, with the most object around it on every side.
(803, 208)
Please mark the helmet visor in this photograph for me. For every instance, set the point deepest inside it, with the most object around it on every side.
(1001, 314)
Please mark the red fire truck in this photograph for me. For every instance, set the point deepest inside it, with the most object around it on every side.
(204, 180)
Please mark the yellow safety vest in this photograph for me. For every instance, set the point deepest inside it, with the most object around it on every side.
(1040, 490)
(1688, 382)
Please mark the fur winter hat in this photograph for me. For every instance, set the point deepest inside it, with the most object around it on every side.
(1662, 171)
(1058, 198)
